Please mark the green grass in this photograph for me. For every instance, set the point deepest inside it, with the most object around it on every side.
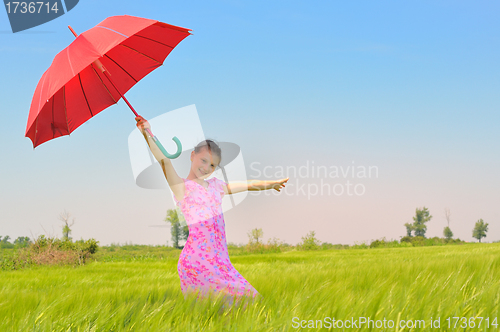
(414, 283)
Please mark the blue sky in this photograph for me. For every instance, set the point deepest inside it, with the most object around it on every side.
(411, 88)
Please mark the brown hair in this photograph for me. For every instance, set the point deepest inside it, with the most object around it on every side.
(215, 149)
(211, 146)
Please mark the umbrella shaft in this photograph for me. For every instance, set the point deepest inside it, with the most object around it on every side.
(121, 95)
(125, 99)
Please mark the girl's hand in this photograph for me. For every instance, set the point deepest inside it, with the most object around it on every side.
(280, 184)
(142, 124)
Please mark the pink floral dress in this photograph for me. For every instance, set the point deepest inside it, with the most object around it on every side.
(204, 263)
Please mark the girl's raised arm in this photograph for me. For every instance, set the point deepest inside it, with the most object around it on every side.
(254, 185)
(174, 181)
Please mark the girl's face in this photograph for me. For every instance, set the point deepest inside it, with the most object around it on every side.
(203, 163)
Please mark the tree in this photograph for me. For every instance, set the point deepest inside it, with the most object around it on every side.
(184, 232)
(178, 232)
(66, 227)
(173, 219)
(447, 215)
(447, 230)
(183, 224)
(22, 241)
(480, 230)
(310, 242)
(409, 229)
(4, 243)
(421, 217)
(255, 234)
(447, 233)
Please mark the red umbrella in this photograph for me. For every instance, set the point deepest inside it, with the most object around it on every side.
(95, 71)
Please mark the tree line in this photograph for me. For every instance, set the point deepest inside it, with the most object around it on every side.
(180, 231)
(422, 216)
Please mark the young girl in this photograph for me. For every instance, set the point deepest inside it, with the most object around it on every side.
(204, 264)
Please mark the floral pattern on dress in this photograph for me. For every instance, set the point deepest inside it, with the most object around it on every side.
(204, 263)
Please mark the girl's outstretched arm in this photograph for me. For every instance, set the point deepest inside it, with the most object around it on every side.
(254, 185)
(174, 181)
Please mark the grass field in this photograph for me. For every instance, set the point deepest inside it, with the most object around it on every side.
(298, 288)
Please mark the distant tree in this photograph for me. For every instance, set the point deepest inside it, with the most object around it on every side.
(447, 215)
(183, 224)
(447, 230)
(447, 233)
(182, 220)
(22, 241)
(409, 229)
(421, 217)
(309, 242)
(177, 231)
(66, 226)
(184, 232)
(4, 242)
(255, 234)
(480, 230)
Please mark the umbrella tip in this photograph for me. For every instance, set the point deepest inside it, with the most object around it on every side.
(74, 33)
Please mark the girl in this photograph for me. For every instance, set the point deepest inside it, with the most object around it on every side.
(204, 264)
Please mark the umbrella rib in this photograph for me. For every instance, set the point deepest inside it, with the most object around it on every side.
(52, 121)
(91, 66)
(36, 131)
(81, 85)
(65, 108)
(107, 56)
(147, 56)
(154, 41)
(43, 83)
(39, 102)
(53, 128)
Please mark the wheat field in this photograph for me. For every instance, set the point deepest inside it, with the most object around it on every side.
(441, 288)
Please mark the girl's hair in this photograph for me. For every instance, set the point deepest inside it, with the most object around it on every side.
(211, 146)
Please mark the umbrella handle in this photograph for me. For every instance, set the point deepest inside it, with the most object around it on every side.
(162, 149)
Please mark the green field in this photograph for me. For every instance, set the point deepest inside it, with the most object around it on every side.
(143, 293)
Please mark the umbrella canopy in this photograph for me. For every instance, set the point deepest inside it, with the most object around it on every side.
(74, 88)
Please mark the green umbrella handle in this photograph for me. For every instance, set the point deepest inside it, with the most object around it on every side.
(168, 155)
(158, 144)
